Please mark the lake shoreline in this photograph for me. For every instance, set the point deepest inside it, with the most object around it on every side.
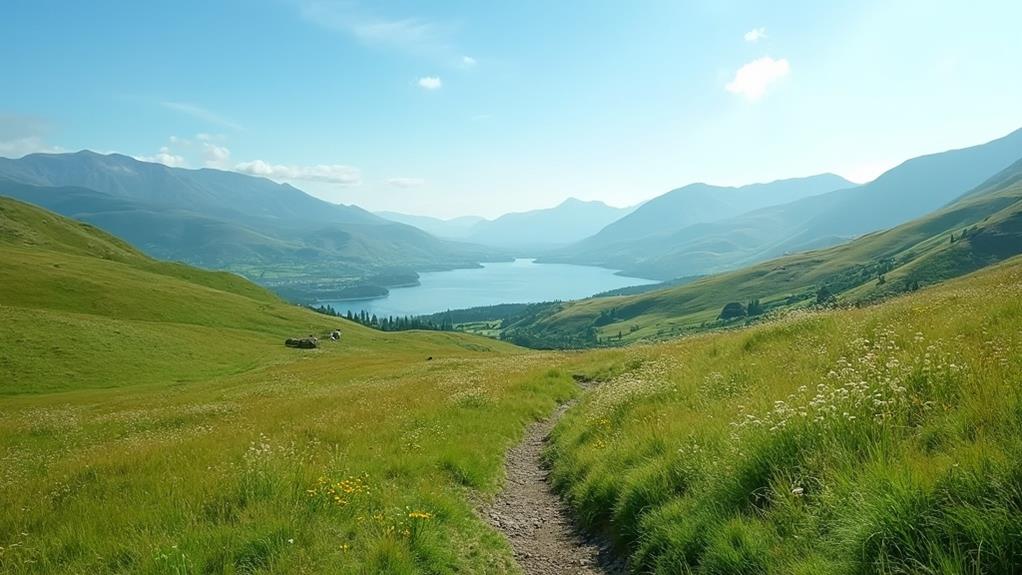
(522, 280)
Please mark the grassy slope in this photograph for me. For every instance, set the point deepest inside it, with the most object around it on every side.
(262, 248)
(151, 421)
(919, 250)
(876, 440)
(908, 191)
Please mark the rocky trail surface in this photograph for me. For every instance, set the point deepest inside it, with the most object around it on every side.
(535, 520)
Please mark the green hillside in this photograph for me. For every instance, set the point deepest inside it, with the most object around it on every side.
(883, 440)
(668, 244)
(986, 223)
(272, 233)
(151, 421)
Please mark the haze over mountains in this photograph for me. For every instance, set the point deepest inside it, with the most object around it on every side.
(978, 229)
(651, 247)
(454, 228)
(277, 234)
(697, 203)
(570, 221)
(225, 220)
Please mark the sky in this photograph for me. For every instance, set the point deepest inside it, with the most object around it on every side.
(456, 107)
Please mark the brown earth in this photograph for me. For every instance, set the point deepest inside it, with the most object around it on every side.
(535, 520)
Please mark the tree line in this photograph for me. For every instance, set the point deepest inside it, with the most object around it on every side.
(391, 323)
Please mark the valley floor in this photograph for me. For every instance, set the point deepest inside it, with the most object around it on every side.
(877, 440)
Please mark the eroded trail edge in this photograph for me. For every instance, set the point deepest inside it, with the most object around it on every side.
(535, 520)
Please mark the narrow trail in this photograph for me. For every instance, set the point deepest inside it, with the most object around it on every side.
(535, 520)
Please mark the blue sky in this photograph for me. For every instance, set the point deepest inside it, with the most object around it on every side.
(454, 108)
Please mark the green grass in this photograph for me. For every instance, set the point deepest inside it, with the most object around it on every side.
(152, 421)
(879, 440)
(919, 251)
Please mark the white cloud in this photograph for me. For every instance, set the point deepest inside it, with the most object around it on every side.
(215, 156)
(201, 149)
(19, 147)
(166, 157)
(330, 174)
(406, 182)
(468, 61)
(753, 79)
(23, 135)
(430, 83)
(200, 113)
(755, 35)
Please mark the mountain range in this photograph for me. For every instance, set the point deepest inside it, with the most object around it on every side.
(454, 228)
(310, 249)
(981, 227)
(272, 232)
(652, 246)
(535, 230)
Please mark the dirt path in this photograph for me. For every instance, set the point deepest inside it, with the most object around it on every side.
(536, 521)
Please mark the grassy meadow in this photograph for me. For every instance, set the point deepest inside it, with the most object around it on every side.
(320, 463)
(877, 440)
(151, 421)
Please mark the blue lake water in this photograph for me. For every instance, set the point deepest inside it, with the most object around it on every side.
(520, 281)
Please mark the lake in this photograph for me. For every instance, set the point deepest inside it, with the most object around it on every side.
(520, 281)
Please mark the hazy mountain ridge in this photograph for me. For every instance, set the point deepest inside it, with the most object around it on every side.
(454, 228)
(569, 221)
(980, 228)
(910, 190)
(226, 220)
(698, 203)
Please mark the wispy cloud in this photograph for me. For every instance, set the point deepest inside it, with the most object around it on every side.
(753, 79)
(406, 182)
(22, 135)
(468, 62)
(415, 36)
(326, 173)
(755, 35)
(430, 83)
(200, 113)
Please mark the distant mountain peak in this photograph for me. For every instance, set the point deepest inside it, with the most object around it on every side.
(573, 201)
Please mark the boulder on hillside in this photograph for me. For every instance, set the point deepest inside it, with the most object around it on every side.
(302, 342)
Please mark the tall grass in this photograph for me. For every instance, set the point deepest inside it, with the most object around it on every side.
(312, 465)
(883, 440)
